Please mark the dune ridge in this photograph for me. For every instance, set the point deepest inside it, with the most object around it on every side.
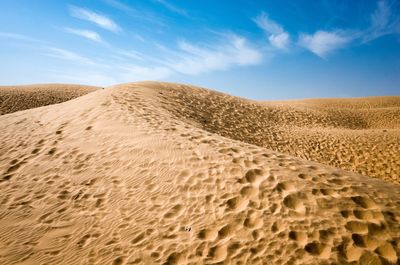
(124, 176)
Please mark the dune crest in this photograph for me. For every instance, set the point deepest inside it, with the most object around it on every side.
(132, 175)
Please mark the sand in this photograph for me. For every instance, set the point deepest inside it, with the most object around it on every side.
(131, 175)
(360, 135)
(16, 98)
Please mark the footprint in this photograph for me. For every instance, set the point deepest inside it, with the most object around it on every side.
(318, 249)
(218, 253)
(63, 195)
(294, 202)
(365, 241)
(253, 221)
(304, 176)
(237, 203)
(82, 242)
(255, 176)
(249, 192)
(285, 187)
(364, 202)
(99, 203)
(52, 151)
(226, 231)
(208, 234)
(328, 192)
(299, 237)
(357, 227)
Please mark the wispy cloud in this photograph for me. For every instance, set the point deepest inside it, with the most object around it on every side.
(88, 34)
(186, 59)
(96, 18)
(119, 5)
(131, 54)
(135, 12)
(138, 37)
(173, 8)
(322, 43)
(194, 60)
(383, 22)
(68, 56)
(19, 37)
(277, 36)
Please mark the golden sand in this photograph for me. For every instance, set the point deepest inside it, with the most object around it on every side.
(16, 98)
(159, 173)
(360, 135)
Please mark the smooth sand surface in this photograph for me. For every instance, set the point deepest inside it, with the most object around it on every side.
(16, 98)
(138, 174)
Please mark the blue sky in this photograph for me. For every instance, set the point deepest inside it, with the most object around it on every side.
(269, 49)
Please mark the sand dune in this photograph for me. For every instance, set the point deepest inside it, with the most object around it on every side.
(361, 135)
(16, 98)
(146, 173)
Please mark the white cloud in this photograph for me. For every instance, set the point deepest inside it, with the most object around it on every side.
(383, 22)
(187, 59)
(323, 43)
(194, 60)
(279, 41)
(91, 35)
(68, 56)
(173, 8)
(96, 18)
(277, 36)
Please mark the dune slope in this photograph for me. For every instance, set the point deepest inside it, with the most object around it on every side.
(16, 98)
(360, 135)
(116, 177)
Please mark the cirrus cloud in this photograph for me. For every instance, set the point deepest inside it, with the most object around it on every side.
(193, 59)
(88, 34)
(98, 19)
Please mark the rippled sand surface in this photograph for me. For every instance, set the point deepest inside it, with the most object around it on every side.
(161, 173)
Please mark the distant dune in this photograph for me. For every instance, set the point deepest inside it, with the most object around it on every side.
(16, 98)
(162, 173)
(361, 135)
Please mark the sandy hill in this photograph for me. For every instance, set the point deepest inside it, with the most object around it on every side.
(132, 174)
(361, 135)
(16, 98)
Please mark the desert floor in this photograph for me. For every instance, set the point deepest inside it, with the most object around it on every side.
(163, 173)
